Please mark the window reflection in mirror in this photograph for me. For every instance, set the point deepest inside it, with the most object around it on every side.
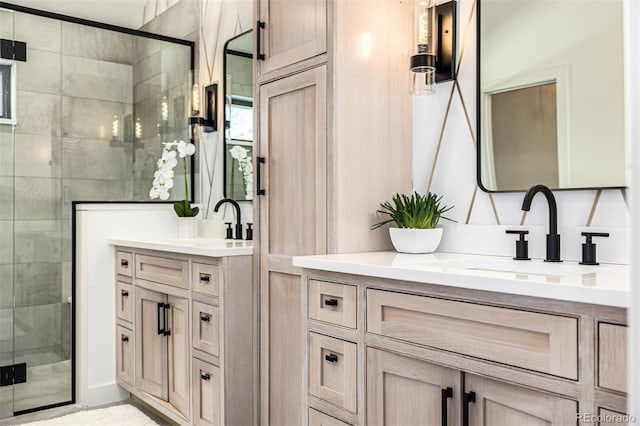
(569, 139)
(238, 117)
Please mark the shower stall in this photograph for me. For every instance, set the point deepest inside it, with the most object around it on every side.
(84, 108)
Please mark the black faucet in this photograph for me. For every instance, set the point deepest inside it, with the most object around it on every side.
(235, 204)
(553, 238)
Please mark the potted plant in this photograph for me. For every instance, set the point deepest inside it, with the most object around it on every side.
(416, 217)
(163, 182)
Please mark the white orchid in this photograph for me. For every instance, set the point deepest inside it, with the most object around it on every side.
(185, 149)
(238, 152)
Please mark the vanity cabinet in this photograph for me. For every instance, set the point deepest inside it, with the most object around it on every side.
(437, 355)
(322, 139)
(185, 324)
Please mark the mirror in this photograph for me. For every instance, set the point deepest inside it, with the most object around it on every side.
(238, 117)
(550, 94)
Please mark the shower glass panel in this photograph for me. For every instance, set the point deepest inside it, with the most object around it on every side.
(90, 108)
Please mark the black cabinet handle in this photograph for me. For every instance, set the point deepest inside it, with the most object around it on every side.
(124, 263)
(467, 397)
(166, 331)
(205, 278)
(331, 302)
(259, 189)
(160, 317)
(124, 293)
(124, 338)
(331, 358)
(259, 27)
(446, 393)
(205, 376)
(205, 318)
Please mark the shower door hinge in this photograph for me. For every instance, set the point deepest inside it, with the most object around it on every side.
(13, 374)
(14, 50)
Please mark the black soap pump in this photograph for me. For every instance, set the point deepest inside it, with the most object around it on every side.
(589, 248)
(522, 245)
(249, 231)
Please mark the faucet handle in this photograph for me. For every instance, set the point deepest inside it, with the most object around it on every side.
(589, 248)
(522, 245)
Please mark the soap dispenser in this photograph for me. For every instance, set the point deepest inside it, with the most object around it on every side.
(522, 245)
(589, 248)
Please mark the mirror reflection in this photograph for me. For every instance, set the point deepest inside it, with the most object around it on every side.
(238, 117)
(551, 94)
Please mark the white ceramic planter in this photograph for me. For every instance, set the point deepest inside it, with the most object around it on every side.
(408, 240)
(187, 227)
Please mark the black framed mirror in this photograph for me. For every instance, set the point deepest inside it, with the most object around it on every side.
(550, 94)
(238, 117)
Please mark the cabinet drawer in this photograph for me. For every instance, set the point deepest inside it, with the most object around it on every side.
(124, 263)
(205, 278)
(205, 328)
(316, 418)
(332, 303)
(611, 418)
(332, 370)
(540, 342)
(124, 355)
(162, 270)
(206, 393)
(612, 357)
(124, 301)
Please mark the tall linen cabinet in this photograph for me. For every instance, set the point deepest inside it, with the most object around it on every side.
(333, 141)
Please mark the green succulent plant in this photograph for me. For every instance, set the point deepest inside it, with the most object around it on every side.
(416, 211)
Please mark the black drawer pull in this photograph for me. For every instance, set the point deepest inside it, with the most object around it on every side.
(331, 357)
(331, 302)
(205, 278)
(259, 162)
(467, 398)
(259, 27)
(124, 338)
(124, 293)
(205, 376)
(205, 317)
(446, 393)
(124, 263)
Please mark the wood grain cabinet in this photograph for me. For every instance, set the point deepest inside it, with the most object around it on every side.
(186, 323)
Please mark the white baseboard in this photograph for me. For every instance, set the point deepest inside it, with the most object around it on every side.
(104, 394)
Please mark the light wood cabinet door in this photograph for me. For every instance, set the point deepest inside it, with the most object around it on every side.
(151, 344)
(612, 356)
(179, 353)
(291, 31)
(124, 355)
(124, 301)
(205, 325)
(410, 392)
(206, 394)
(292, 221)
(503, 404)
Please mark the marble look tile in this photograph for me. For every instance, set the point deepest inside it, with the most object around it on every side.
(37, 156)
(41, 72)
(89, 118)
(6, 331)
(67, 250)
(175, 63)
(6, 25)
(41, 325)
(38, 113)
(6, 198)
(6, 287)
(145, 47)
(38, 283)
(38, 241)
(6, 242)
(96, 79)
(147, 67)
(6, 147)
(94, 159)
(37, 198)
(179, 20)
(147, 89)
(94, 190)
(66, 280)
(46, 384)
(38, 32)
(96, 43)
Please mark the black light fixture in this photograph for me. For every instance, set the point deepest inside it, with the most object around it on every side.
(210, 120)
(435, 38)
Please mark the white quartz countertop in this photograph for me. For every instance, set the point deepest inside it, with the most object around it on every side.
(605, 284)
(214, 247)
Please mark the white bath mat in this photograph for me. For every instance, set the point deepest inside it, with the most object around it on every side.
(118, 415)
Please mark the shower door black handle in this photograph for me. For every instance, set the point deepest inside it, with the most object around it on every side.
(160, 318)
(446, 393)
(259, 189)
(467, 397)
(166, 331)
(259, 27)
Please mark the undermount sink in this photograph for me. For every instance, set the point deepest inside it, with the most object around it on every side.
(539, 268)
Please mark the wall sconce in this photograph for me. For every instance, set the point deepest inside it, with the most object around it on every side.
(115, 132)
(435, 38)
(210, 119)
(138, 129)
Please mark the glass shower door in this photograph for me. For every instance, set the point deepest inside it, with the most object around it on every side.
(6, 222)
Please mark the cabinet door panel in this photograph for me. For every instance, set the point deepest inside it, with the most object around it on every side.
(151, 347)
(294, 30)
(407, 391)
(124, 356)
(179, 354)
(503, 404)
(206, 394)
